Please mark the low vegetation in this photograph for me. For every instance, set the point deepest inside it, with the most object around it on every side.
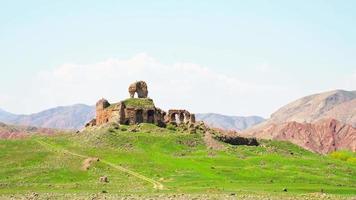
(146, 160)
(347, 156)
(139, 102)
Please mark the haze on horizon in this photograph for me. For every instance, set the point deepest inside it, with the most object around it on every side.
(228, 57)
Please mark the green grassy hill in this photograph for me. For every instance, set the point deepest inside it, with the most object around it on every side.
(147, 160)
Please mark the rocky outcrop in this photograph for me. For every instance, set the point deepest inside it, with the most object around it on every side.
(323, 136)
(139, 87)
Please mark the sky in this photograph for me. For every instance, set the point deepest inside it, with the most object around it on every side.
(229, 57)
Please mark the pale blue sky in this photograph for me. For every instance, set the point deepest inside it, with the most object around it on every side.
(307, 46)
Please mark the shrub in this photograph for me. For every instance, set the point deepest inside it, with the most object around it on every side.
(344, 156)
(171, 127)
(352, 160)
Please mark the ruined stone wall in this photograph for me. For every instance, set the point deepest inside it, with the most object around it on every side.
(102, 115)
(137, 113)
(108, 113)
(182, 115)
(120, 113)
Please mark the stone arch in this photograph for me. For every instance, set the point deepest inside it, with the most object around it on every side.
(181, 117)
(150, 116)
(139, 116)
(172, 117)
(192, 119)
(186, 116)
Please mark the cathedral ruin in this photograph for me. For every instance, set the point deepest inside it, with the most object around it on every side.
(138, 110)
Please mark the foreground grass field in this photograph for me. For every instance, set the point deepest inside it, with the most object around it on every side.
(147, 160)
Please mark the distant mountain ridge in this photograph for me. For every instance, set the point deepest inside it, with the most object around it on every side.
(13, 131)
(336, 104)
(62, 117)
(321, 122)
(225, 122)
(6, 116)
(74, 117)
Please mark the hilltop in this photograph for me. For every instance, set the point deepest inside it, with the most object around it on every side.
(149, 160)
(134, 147)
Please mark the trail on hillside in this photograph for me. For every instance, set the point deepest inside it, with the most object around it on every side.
(156, 184)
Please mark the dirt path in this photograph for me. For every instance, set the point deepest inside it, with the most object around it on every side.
(156, 184)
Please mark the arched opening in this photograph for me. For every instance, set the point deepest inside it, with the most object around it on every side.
(186, 117)
(177, 119)
(173, 117)
(181, 118)
(150, 116)
(139, 116)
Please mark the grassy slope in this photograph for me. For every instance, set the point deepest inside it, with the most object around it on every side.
(139, 102)
(180, 161)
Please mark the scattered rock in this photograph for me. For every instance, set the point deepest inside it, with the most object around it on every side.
(104, 179)
(91, 123)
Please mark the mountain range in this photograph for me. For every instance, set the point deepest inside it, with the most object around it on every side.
(62, 117)
(74, 117)
(225, 122)
(13, 131)
(322, 122)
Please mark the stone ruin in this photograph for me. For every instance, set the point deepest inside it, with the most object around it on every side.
(139, 87)
(180, 116)
(137, 110)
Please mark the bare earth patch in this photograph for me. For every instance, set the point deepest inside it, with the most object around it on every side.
(88, 162)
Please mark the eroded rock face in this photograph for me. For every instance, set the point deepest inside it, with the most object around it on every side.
(139, 87)
(323, 136)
